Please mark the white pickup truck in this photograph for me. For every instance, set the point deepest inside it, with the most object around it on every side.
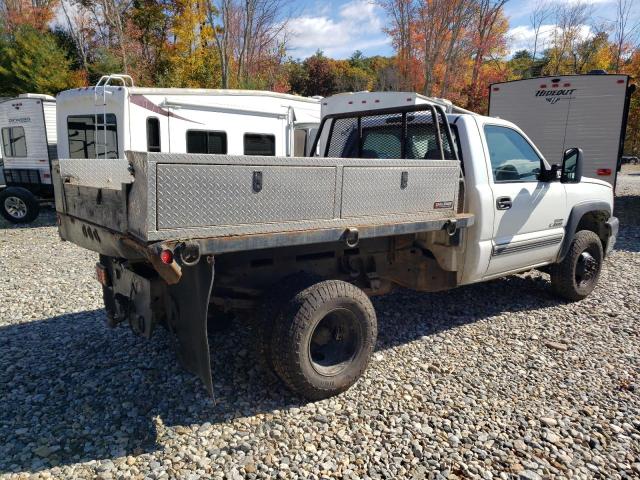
(398, 193)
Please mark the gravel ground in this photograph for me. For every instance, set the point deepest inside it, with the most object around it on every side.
(493, 380)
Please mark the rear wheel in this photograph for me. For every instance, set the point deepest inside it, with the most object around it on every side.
(323, 339)
(577, 275)
(18, 205)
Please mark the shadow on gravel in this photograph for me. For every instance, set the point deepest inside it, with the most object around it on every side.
(74, 391)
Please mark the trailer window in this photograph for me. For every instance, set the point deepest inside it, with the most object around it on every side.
(513, 159)
(259, 144)
(92, 136)
(153, 134)
(203, 141)
(14, 142)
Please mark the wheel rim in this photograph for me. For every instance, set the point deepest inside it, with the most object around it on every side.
(586, 268)
(15, 207)
(335, 342)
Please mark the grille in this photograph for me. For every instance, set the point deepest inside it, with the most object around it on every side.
(22, 176)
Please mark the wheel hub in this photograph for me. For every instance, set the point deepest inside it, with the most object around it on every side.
(334, 342)
(15, 207)
(586, 268)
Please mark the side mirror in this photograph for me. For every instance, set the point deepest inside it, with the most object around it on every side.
(551, 175)
(572, 166)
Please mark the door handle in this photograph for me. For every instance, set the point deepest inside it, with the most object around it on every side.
(503, 203)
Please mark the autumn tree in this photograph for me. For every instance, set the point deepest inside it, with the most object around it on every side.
(32, 13)
(625, 32)
(32, 61)
(402, 30)
(541, 12)
(490, 27)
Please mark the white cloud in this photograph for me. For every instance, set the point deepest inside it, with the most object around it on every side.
(357, 26)
(522, 37)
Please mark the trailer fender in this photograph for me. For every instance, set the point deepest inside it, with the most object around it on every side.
(188, 310)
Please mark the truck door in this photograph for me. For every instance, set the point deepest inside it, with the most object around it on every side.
(529, 213)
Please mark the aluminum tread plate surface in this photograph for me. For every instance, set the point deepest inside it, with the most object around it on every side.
(191, 196)
(316, 205)
(99, 173)
(372, 191)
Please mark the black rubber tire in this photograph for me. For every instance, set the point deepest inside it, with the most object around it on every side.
(274, 301)
(563, 274)
(295, 325)
(29, 200)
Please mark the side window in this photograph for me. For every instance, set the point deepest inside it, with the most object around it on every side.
(259, 144)
(513, 159)
(14, 142)
(83, 143)
(299, 142)
(153, 134)
(202, 141)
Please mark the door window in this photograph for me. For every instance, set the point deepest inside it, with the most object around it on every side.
(201, 141)
(299, 142)
(14, 142)
(88, 139)
(513, 159)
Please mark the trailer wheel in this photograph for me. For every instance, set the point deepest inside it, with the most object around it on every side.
(18, 205)
(577, 275)
(323, 339)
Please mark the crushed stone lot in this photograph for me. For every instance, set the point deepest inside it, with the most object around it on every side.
(495, 380)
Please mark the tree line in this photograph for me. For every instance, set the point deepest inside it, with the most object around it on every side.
(445, 48)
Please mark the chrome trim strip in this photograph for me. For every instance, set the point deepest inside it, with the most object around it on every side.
(508, 248)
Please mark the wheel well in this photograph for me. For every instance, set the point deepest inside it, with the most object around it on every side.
(595, 221)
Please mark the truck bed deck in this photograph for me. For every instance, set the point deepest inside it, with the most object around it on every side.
(233, 203)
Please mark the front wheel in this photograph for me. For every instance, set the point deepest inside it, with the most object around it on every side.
(18, 205)
(323, 339)
(577, 275)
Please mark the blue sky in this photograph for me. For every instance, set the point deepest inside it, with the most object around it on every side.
(339, 27)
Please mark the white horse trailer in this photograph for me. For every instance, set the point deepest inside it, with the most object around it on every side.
(586, 111)
(28, 130)
(114, 116)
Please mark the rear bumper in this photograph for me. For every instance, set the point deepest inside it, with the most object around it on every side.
(613, 225)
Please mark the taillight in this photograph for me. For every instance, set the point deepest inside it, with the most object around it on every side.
(166, 256)
(603, 172)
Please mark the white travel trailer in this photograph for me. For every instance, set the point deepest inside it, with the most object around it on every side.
(114, 116)
(587, 111)
(28, 130)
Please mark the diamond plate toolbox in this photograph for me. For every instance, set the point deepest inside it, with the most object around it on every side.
(199, 196)
(218, 195)
(370, 191)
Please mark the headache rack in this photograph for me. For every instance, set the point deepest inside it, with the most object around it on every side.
(346, 134)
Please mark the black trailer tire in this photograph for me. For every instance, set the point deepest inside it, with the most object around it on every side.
(323, 339)
(18, 205)
(577, 275)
